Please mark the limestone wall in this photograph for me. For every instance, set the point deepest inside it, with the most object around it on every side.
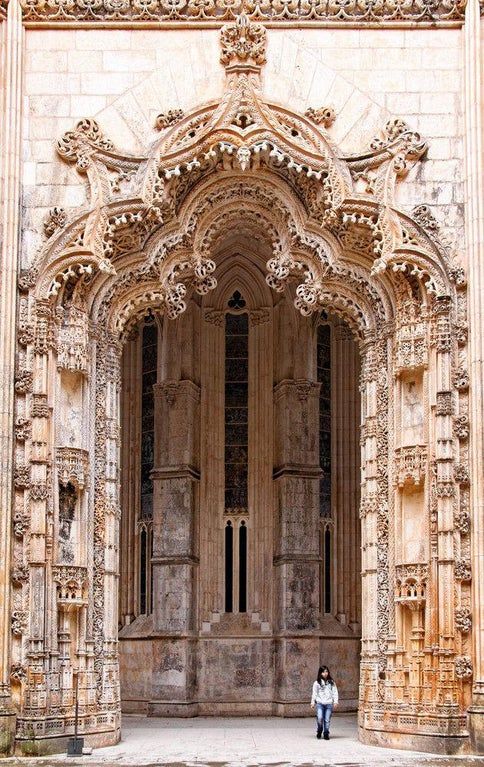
(124, 78)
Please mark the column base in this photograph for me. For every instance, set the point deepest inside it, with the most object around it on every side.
(7, 732)
(476, 728)
(435, 744)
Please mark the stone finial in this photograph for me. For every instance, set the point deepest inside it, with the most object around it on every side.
(243, 44)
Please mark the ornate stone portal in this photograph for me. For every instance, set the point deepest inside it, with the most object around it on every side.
(242, 222)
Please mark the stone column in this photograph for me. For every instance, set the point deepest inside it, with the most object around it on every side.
(369, 512)
(346, 473)
(10, 134)
(296, 547)
(130, 486)
(260, 463)
(474, 104)
(175, 523)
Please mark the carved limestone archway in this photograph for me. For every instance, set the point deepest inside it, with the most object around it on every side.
(151, 237)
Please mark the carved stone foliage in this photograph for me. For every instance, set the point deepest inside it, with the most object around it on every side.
(463, 667)
(297, 11)
(166, 119)
(324, 116)
(78, 145)
(463, 620)
(56, 219)
(243, 43)
(463, 571)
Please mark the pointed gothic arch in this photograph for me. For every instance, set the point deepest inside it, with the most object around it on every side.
(151, 238)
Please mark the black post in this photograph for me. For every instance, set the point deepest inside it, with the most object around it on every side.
(75, 744)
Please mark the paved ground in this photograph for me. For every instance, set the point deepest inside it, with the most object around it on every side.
(244, 742)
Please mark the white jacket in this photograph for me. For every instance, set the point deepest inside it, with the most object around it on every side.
(324, 693)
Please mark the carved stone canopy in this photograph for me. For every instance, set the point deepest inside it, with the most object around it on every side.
(249, 164)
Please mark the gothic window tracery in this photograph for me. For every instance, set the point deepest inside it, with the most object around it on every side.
(149, 359)
(236, 453)
(326, 530)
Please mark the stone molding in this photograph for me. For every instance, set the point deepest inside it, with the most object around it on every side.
(216, 12)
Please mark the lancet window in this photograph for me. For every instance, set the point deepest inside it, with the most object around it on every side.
(149, 357)
(324, 379)
(236, 454)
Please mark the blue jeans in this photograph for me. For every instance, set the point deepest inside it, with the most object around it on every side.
(323, 716)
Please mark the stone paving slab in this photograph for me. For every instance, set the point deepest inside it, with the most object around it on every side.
(243, 742)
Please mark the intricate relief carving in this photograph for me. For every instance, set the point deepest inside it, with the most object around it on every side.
(20, 573)
(463, 571)
(214, 317)
(411, 464)
(462, 521)
(18, 672)
(259, 317)
(73, 340)
(78, 145)
(324, 116)
(461, 426)
(444, 403)
(243, 43)
(39, 406)
(167, 119)
(19, 622)
(295, 11)
(22, 429)
(463, 620)
(23, 382)
(461, 473)
(56, 219)
(21, 476)
(406, 145)
(71, 585)
(72, 466)
(411, 585)
(424, 216)
(463, 667)
(461, 380)
(411, 348)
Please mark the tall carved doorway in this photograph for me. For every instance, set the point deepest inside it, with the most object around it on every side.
(216, 285)
(240, 544)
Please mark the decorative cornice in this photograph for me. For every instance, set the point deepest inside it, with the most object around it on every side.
(218, 12)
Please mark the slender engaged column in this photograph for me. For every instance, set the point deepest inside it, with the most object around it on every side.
(474, 102)
(10, 135)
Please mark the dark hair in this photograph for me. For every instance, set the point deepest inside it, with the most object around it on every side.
(320, 674)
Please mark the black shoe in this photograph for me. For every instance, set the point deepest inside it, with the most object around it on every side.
(318, 735)
(326, 736)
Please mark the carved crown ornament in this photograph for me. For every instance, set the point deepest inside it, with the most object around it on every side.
(154, 223)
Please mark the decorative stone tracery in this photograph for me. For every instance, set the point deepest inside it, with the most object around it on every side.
(248, 164)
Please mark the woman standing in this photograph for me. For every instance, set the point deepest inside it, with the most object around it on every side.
(325, 698)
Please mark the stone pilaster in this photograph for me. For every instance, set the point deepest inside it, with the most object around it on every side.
(10, 135)
(175, 550)
(296, 560)
(474, 105)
